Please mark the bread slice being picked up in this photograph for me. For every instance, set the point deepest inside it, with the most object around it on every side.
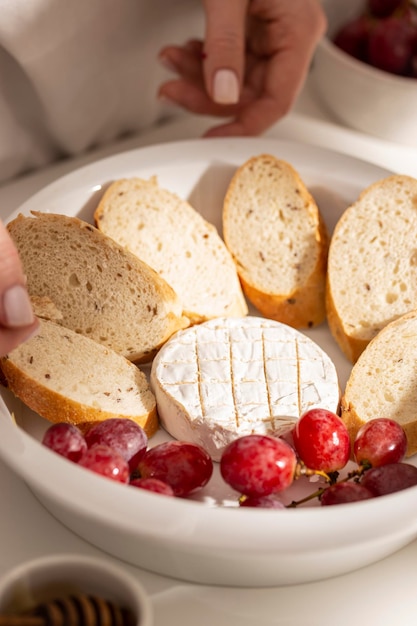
(383, 381)
(278, 239)
(94, 286)
(372, 265)
(66, 377)
(166, 232)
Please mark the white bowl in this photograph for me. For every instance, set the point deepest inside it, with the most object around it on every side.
(44, 578)
(363, 97)
(207, 538)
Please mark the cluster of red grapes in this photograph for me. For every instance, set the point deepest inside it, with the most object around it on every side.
(258, 467)
(117, 448)
(261, 467)
(384, 35)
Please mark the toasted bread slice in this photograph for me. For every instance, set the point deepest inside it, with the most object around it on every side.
(372, 264)
(67, 377)
(94, 286)
(278, 239)
(383, 381)
(166, 232)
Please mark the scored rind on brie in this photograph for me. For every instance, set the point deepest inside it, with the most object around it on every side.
(230, 377)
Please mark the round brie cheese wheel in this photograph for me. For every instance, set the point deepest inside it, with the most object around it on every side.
(230, 377)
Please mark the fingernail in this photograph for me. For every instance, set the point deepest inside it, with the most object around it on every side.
(225, 87)
(17, 307)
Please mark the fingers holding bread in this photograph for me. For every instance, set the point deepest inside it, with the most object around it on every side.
(96, 287)
(17, 320)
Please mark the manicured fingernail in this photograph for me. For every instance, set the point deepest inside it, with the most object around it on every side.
(225, 87)
(17, 307)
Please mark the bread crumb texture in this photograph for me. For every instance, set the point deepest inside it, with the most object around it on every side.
(278, 239)
(100, 289)
(167, 233)
(372, 264)
(383, 381)
(64, 376)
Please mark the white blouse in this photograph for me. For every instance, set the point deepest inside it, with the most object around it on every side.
(75, 74)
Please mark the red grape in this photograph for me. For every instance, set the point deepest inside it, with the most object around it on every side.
(391, 45)
(379, 442)
(66, 440)
(353, 37)
(344, 492)
(262, 502)
(389, 478)
(322, 441)
(121, 434)
(153, 484)
(105, 461)
(413, 66)
(383, 8)
(384, 35)
(258, 465)
(185, 466)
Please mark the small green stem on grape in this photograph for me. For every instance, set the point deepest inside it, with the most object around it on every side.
(303, 470)
(331, 478)
(315, 494)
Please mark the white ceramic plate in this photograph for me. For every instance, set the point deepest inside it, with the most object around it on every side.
(208, 539)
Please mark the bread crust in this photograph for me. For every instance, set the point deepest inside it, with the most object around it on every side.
(352, 347)
(51, 371)
(56, 407)
(303, 305)
(385, 375)
(94, 286)
(370, 277)
(166, 232)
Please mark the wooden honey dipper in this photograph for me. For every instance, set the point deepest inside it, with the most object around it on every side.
(77, 609)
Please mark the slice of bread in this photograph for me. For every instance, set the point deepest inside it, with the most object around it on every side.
(66, 377)
(166, 232)
(383, 381)
(94, 286)
(278, 239)
(372, 265)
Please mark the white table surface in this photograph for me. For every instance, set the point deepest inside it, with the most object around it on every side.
(383, 594)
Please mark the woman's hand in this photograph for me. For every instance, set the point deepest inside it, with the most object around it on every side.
(17, 321)
(251, 66)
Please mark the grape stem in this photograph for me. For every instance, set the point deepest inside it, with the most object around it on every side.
(331, 478)
(303, 470)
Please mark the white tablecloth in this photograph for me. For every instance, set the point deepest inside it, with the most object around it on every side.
(383, 594)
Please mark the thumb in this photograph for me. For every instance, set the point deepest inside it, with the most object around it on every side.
(224, 49)
(15, 306)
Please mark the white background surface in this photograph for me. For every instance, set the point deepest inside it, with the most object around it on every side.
(383, 594)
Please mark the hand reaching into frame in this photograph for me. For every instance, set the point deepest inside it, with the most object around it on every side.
(251, 66)
(17, 321)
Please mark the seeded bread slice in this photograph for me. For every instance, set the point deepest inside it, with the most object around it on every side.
(166, 232)
(383, 381)
(372, 265)
(278, 239)
(96, 287)
(66, 377)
